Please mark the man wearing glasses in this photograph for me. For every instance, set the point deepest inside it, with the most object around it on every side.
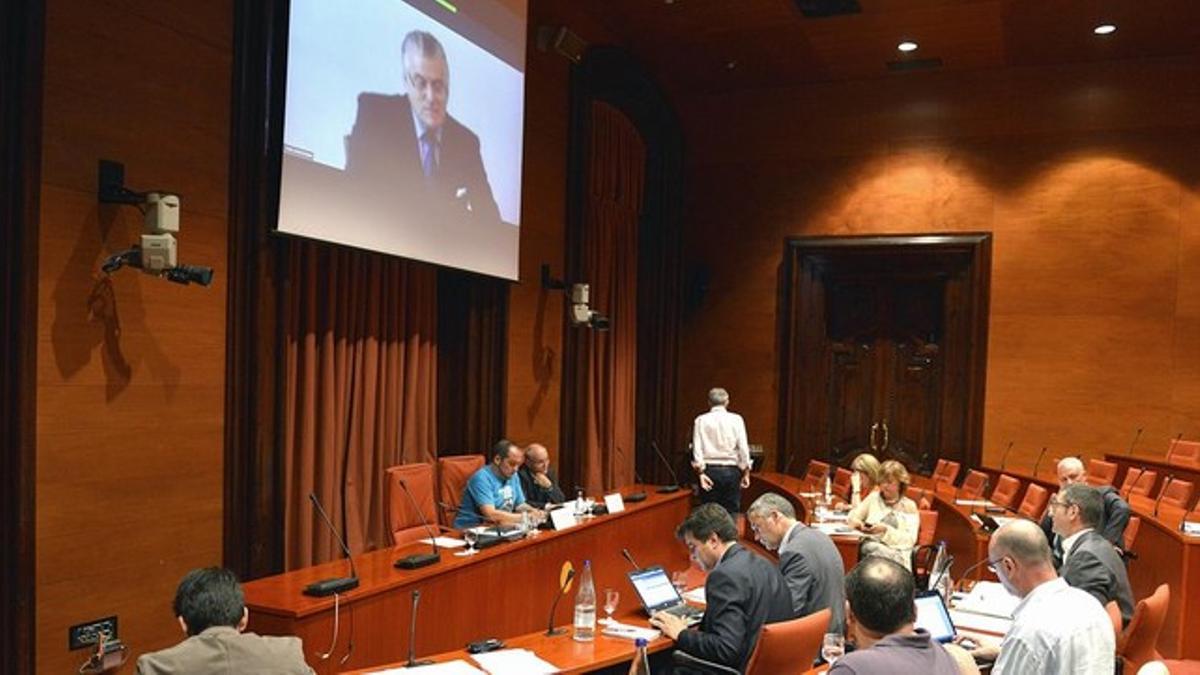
(1115, 516)
(1090, 562)
(410, 146)
(1056, 628)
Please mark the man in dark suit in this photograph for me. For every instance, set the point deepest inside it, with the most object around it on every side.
(1115, 517)
(743, 591)
(212, 613)
(538, 481)
(410, 151)
(808, 559)
(1090, 562)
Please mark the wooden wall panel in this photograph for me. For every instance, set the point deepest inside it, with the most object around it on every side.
(131, 381)
(1085, 174)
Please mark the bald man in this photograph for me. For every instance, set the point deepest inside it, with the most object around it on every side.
(1116, 510)
(538, 480)
(1056, 628)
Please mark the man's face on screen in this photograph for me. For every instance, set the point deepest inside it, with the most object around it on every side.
(427, 80)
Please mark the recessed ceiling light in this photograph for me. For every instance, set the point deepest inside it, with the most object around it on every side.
(1105, 29)
(731, 65)
(907, 46)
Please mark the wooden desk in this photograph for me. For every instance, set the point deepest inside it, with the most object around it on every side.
(503, 591)
(562, 650)
(1189, 473)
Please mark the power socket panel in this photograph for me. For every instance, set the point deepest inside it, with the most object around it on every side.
(87, 634)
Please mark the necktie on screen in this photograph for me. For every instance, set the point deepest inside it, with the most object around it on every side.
(429, 158)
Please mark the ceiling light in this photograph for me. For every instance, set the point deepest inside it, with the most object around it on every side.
(1105, 29)
(731, 65)
(907, 46)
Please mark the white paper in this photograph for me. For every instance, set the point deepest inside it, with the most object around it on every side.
(1191, 529)
(614, 503)
(627, 631)
(446, 542)
(456, 667)
(979, 622)
(837, 529)
(563, 518)
(695, 596)
(989, 598)
(514, 661)
(974, 502)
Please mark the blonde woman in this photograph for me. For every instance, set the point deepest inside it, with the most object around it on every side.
(887, 519)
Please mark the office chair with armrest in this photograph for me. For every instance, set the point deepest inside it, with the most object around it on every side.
(783, 647)
(1100, 473)
(973, 485)
(945, 471)
(814, 476)
(1006, 491)
(1178, 494)
(1138, 482)
(453, 473)
(1130, 536)
(1034, 503)
(1138, 644)
(403, 521)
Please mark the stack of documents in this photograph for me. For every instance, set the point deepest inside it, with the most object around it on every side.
(514, 661)
(627, 631)
(990, 599)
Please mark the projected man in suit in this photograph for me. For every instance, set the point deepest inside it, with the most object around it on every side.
(412, 151)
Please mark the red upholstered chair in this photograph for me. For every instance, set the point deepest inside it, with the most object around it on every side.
(789, 646)
(1184, 452)
(1178, 494)
(1006, 491)
(403, 520)
(1138, 483)
(1138, 644)
(1034, 503)
(1130, 537)
(945, 471)
(841, 483)
(453, 473)
(815, 475)
(1114, 615)
(1100, 473)
(973, 485)
(928, 527)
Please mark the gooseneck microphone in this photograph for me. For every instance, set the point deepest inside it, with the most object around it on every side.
(1135, 440)
(628, 556)
(550, 629)
(324, 587)
(633, 496)
(1162, 493)
(1171, 446)
(1132, 483)
(412, 635)
(1039, 460)
(417, 560)
(1004, 457)
(674, 486)
(971, 568)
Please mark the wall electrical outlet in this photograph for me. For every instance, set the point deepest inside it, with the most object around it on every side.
(87, 634)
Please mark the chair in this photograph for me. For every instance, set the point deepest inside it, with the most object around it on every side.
(922, 497)
(945, 471)
(1138, 644)
(1114, 615)
(783, 647)
(1138, 483)
(1034, 503)
(816, 472)
(403, 519)
(1184, 452)
(1006, 491)
(1130, 536)
(1100, 473)
(1178, 493)
(927, 530)
(924, 553)
(841, 483)
(453, 473)
(973, 485)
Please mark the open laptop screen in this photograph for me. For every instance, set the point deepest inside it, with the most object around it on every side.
(933, 616)
(654, 588)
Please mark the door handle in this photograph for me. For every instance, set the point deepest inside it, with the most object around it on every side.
(883, 448)
(874, 428)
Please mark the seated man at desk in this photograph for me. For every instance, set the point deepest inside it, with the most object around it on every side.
(494, 493)
(538, 481)
(1090, 562)
(1116, 510)
(211, 610)
(743, 591)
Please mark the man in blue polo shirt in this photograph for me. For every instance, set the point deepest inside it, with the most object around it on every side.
(494, 492)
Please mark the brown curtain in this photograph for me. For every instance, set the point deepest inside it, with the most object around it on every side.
(360, 385)
(609, 261)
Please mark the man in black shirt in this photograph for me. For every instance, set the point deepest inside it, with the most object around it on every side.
(538, 481)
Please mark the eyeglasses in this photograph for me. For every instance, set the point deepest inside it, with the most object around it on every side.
(420, 83)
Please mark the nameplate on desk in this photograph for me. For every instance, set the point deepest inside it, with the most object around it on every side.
(614, 503)
(1191, 529)
(563, 518)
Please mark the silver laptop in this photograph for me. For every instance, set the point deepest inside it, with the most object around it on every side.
(658, 594)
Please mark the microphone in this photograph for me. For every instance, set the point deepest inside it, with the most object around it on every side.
(1132, 483)
(324, 587)
(625, 554)
(1135, 440)
(674, 486)
(1163, 492)
(971, 568)
(412, 635)
(942, 573)
(1039, 461)
(633, 496)
(787, 470)
(416, 560)
(568, 575)
(1004, 457)
(1171, 446)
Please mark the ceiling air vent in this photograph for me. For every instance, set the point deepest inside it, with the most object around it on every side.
(821, 9)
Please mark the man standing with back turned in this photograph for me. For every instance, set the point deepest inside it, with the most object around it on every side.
(721, 453)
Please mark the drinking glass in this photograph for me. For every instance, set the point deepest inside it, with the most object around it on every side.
(833, 647)
(611, 598)
(469, 536)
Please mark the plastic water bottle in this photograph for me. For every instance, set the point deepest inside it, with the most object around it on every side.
(585, 606)
(828, 490)
(641, 661)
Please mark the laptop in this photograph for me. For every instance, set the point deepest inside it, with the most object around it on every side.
(658, 594)
(933, 616)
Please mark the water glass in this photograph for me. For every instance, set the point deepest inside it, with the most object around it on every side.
(469, 536)
(611, 598)
(833, 647)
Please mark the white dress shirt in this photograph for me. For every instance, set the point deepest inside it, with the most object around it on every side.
(1058, 630)
(719, 438)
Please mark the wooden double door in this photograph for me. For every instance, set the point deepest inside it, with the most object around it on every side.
(884, 349)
